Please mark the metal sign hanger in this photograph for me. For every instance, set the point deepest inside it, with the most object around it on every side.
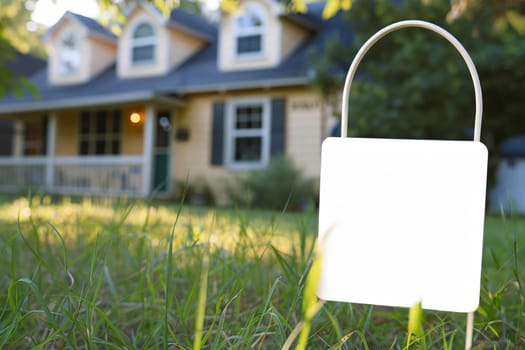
(401, 221)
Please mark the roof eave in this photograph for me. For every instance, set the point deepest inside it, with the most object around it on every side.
(88, 101)
(307, 23)
(252, 84)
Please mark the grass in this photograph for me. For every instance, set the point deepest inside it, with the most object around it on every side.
(114, 274)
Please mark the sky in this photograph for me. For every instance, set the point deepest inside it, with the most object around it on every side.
(48, 12)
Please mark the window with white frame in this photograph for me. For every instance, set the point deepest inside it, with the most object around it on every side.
(248, 133)
(143, 44)
(249, 31)
(69, 54)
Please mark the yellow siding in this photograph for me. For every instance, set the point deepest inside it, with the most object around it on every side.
(67, 132)
(132, 134)
(304, 134)
(103, 53)
(182, 46)
(292, 36)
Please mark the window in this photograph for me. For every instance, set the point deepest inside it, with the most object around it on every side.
(249, 31)
(69, 55)
(100, 132)
(143, 44)
(248, 131)
(35, 136)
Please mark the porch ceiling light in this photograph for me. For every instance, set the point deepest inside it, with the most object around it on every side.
(134, 118)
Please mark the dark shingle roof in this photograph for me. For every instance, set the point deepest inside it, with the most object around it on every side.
(93, 26)
(200, 73)
(24, 65)
(192, 23)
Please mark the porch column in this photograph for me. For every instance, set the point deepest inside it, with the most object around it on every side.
(50, 150)
(147, 153)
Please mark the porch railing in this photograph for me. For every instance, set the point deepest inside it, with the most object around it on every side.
(90, 175)
(17, 174)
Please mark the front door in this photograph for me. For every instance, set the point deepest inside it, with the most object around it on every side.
(161, 152)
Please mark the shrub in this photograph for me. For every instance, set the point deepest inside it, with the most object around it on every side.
(198, 192)
(280, 185)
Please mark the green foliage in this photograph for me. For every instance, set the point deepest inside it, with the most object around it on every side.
(278, 186)
(197, 192)
(113, 13)
(15, 37)
(413, 84)
(15, 19)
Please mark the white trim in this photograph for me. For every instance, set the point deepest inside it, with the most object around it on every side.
(99, 160)
(141, 42)
(28, 160)
(110, 99)
(73, 160)
(230, 133)
(73, 55)
(50, 150)
(254, 30)
(171, 152)
(147, 153)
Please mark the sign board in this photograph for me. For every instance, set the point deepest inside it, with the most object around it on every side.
(401, 221)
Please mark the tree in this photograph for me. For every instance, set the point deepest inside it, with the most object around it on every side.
(112, 13)
(18, 29)
(413, 84)
(15, 18)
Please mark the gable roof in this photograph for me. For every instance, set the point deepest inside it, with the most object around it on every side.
(93, 26)
(180, 19)
(90, 24)
(200, 73)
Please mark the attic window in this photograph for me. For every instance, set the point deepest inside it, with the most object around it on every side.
(249, 31)
(69, 55)
(143, 44)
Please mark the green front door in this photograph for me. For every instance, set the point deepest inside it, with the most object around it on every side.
(161, 153)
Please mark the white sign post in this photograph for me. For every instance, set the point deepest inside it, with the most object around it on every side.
(401, 221)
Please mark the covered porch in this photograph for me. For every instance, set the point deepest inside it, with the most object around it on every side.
(123, 150)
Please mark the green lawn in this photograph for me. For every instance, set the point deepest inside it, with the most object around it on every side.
(100, 274)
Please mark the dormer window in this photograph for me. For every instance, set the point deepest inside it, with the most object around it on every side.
(249, 31)
(69, 55)
(143, 44)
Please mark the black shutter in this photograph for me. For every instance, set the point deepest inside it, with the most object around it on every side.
(217, 134)
(278, 127)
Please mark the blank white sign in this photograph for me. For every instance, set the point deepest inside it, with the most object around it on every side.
(401, 222)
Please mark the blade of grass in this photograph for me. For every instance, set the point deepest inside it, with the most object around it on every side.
(201, 303)
(415, 334)
(311, 305)
(64, 254)
(169, 266)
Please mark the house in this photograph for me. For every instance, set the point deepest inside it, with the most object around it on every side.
(20, 66)
(170, 99)
(508, 194)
